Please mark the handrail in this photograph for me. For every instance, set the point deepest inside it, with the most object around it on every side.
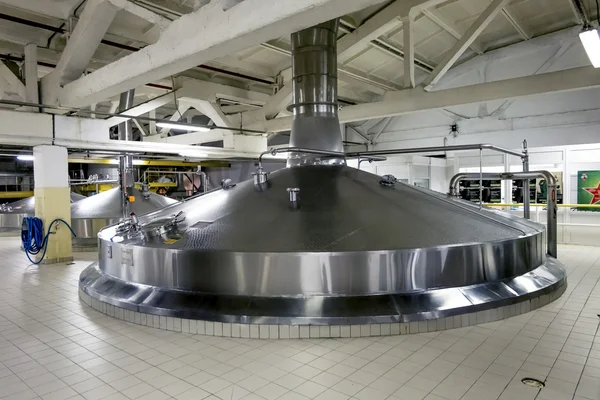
(480, 146)
(552, 209)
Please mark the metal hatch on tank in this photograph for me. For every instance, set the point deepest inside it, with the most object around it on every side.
(321, 244)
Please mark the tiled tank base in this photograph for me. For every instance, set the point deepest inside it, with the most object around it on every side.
(255, 331)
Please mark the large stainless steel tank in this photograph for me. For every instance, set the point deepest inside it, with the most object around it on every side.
(89, 216)
(320, 245)
(12, 214)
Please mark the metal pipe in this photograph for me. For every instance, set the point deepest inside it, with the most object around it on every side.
(481, 146)
(298, 150)
(526, 191)
(315, 103)
(551, 230)
(126, 161)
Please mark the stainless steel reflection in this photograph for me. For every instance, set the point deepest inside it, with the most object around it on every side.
(12, 214)
(352, 239)
(551, 209)
(89, 216)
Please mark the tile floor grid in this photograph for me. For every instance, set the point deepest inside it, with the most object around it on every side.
(52, 346)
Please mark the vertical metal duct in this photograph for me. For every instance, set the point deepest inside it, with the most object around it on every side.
(126, 162)
(314, 66)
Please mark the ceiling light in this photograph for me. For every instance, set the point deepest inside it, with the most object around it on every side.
(182, 127)
(25, 157)
(192, 154)
(591, 43)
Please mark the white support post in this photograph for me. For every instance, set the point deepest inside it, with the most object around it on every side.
(409, 52)
(152, 114)
(472, 33)
(140, 127)
(31, 74)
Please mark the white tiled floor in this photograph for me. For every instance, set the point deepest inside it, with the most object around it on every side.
(52, 346)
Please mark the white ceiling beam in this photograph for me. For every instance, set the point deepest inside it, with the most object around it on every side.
(210, 91)
(517, 24)
(437, 19)
(222, 32)
(31, 74)
(144, 13)
(210, 109)
(382, 22)
(416, 100)
(182, 108)
(465, 41)
(11, 87)
(409, 52)
(576, 16)
(95, 20)
(140, 127)
(541, 70)
(278, 102)
(524, 48)
(142, 109)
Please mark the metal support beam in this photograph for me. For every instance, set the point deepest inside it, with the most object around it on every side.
(179, 49)
(437, 19)
(465, 41)
(143, 108)
(414, 100)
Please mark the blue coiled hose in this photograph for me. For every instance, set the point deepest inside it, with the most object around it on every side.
(33, 238)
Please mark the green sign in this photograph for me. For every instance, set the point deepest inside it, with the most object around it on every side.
(588, 188)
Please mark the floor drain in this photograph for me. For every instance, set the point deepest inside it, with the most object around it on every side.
(533, 382)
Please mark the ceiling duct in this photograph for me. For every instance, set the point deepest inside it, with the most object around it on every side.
(315, 105)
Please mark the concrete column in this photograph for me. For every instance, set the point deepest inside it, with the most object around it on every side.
(52, 199)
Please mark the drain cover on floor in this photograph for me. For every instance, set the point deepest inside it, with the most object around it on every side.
(533, 382)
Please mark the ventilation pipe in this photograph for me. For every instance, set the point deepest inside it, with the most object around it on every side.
(315, 107)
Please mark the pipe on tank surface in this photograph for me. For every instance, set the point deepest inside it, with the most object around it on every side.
(315, 104)
(552, 223)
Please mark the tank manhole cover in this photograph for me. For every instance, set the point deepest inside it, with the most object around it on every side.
(533, 382)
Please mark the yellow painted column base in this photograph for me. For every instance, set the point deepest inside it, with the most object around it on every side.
(52, 203)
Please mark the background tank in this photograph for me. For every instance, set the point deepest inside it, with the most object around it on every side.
(12, 214)
(103, 209)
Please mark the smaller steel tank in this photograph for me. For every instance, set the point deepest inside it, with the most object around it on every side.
(12, 214)
(89, 216)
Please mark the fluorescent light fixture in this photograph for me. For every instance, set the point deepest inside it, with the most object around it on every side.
(192, 154)
(591, 43)
(25, 157)
(182, 127)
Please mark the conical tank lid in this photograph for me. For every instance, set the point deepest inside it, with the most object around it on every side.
(108, 204)
(27, 205)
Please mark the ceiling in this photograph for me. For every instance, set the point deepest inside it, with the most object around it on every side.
(365, 76)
